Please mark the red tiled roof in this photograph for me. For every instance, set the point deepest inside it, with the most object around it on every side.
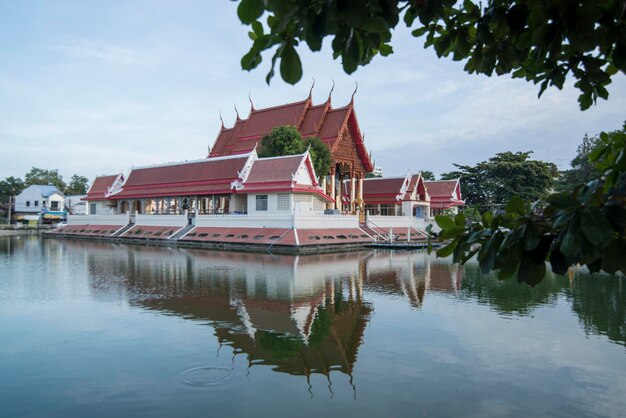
(441, 189)
(382, 190)
(310, 120)
(199, 177)
(274, 169)
(99, 187)
(444, 193)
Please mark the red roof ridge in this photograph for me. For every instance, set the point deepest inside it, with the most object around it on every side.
(278, 107)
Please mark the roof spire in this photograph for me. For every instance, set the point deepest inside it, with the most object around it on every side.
(221, 119)
(356, 87)
(251, 104)
(331, 91)
(237, 112)
(311, 90)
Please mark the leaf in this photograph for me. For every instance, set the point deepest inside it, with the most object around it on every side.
(290, 65)
(596, 228)
(571, 243)
(447, 250)
(251, 60)
(516, 206)
(250, 10)
(613, 259)
(444, 222)
(459, 219)
(531, 272)
(558, 262)
(563, 200)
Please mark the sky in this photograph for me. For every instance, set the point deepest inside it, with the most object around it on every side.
(94, 88)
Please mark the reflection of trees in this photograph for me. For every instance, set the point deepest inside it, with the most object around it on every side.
(509, 296)
(600, 303)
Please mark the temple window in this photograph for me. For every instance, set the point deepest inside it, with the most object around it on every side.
(261, 202)
(283, 201)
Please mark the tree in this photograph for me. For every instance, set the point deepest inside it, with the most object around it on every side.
(10, 187)
(45, 177)
(507, 174)
(286, 140)
(320, 154)
(585, 225)
(543, 42)
(428, 175)
(582, 169)
(77, 185)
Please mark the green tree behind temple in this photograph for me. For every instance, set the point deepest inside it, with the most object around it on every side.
(77, 185)
(507, 174)
(286, 140)
(10, 187)
(44, 176)
(582, 169)
(428, 175)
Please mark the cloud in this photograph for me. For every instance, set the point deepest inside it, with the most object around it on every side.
(104, 51)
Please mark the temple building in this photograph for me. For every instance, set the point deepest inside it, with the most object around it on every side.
(338, 128)
(397, 196)
(240, 184)
(445, 196)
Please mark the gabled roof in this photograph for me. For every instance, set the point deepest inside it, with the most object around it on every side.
(100, 187)
(394, 189)
(311, 120)
(444, 193)
(266, 170)
(282, 174)
(47, 190)
(224, 175)
(206, 176)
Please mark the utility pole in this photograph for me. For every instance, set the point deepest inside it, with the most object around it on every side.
(10, 204)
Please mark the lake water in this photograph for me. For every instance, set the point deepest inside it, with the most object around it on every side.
(100, 330)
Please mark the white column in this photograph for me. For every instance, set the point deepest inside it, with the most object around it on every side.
(352, 193)
(332, 188)
(361, 190)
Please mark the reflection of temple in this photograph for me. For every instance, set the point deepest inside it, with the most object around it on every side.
(300, 315)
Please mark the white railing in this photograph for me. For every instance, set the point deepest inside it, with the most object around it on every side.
(386, 222)
(161, 220)
(97, 219)
(326, 221)
(278, 220)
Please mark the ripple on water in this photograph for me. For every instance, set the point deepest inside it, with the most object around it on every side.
(206, 376)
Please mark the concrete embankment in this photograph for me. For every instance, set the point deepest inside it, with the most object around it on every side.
(11, 232)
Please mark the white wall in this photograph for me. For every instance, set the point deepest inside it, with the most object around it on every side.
(55, 197)
(257, 220)
(97, 219)
(30, 194)
(401, 222)
(321, 221)
(278, 220)
(102, 208)
(161, 220)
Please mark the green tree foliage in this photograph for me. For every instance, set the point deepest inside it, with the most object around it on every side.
(503, 176)
(44, 176)
(582, 169)
(428, 175)
(320, 154)
(77, 185)
(286, 140)
(586, 226)
(372, 176)
(10, 186)
(543, 42)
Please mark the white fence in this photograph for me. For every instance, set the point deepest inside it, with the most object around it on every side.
(161, 220)
(386, 222)
(278, 220)
(97, 219)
